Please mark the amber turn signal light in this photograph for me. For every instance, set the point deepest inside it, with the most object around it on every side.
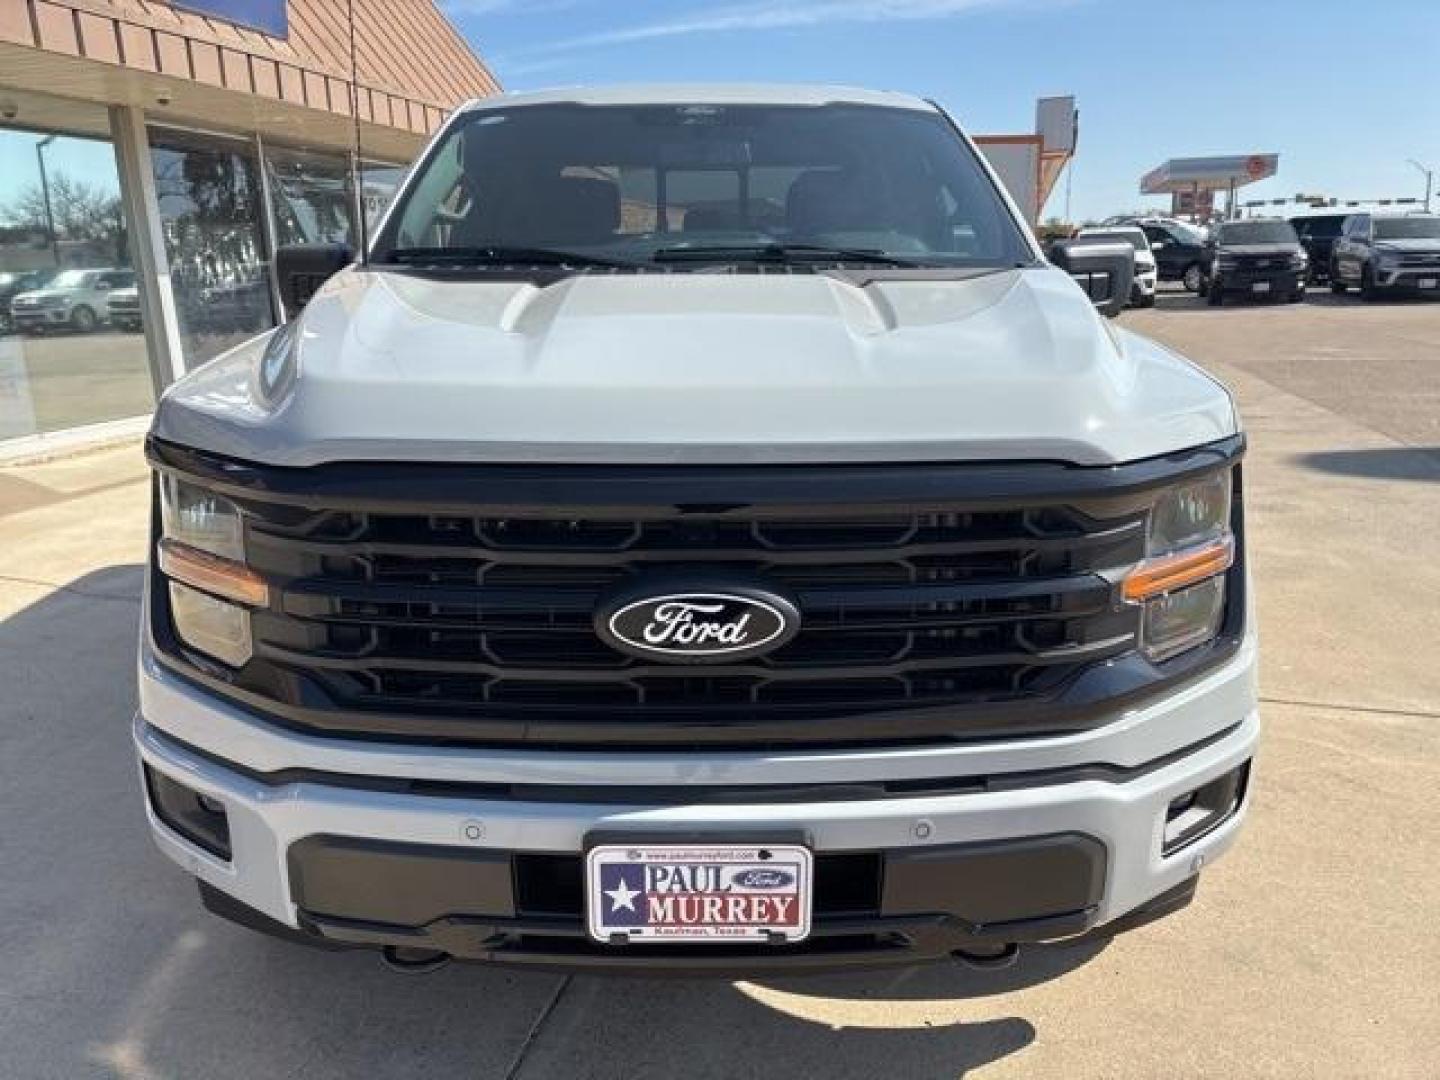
(1166, 573)
(224, 578)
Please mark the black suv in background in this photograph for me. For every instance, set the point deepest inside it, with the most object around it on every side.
(1179, 251)
(1260, 258)
(1318, 233)
(1381, 252)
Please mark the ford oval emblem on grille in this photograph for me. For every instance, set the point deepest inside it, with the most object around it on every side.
(698, 625)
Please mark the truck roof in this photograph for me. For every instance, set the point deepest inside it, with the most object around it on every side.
(704, 94)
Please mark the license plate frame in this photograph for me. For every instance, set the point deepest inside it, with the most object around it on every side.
(648, 893)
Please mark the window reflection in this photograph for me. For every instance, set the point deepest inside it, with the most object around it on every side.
(378, 185)
(312, 197)
(210, 209)
(70, 350)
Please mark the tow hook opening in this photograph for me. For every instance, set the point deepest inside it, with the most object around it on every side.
(410, 961)
(988, 958)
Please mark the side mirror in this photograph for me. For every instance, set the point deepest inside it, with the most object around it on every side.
(1105, 270)
(300, 270)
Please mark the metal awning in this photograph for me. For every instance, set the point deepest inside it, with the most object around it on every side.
(1212, 173)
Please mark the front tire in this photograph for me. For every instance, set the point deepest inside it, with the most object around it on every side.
(1368, 289)
(1192, 278)
(1215, 294)
(82, 319)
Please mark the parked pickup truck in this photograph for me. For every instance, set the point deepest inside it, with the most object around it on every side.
(702, 533)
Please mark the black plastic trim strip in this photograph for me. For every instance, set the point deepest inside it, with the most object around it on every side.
(398, 487)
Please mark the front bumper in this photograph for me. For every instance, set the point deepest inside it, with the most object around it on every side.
(1096, 799)
(1419, 278)
(29, 318)
(1271, 283)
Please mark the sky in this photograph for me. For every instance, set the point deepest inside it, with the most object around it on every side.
(1343, 92)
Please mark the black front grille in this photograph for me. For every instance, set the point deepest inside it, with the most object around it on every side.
(949, 615)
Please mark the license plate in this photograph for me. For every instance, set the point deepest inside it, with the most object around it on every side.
(698, 892)
(1260, 286)
(1428, 282)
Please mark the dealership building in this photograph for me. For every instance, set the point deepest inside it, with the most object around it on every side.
(169, 146)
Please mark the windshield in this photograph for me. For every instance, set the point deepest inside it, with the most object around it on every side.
(623, 183)
(1257, 232)
(1407, 228)
(1324, 228)
(1135, 239)
(69, 279)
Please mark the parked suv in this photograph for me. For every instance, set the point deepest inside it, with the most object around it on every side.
(703, 534)
(1142, 292)
(1260, 258)
(1317, 233)
(13, 283)
(1387, 252)
(72, 299)
(123, 306)
(1179, 251)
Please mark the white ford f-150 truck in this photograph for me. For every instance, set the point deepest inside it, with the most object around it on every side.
(700, 532)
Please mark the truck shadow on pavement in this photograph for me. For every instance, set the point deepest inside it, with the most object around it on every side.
(114, 970)
(1378, 463)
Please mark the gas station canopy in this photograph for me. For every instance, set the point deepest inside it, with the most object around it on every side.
(1212, 173)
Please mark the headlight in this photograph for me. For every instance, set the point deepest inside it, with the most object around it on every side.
(1180, 584)
(216, 628)
(202, 552)
(1190, 514)
(201, 519)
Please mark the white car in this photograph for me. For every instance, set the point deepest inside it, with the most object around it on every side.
(1142, 292)
(72, 300)
(704, 534)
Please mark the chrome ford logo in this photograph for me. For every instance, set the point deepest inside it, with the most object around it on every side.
(700, 626)
(764, 879)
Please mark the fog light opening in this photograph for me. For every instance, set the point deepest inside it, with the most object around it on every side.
(1196, 813)
(200, 819)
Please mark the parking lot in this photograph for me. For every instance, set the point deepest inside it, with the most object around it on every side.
(65, 379)
(1310, 951)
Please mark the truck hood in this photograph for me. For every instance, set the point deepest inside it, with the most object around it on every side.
(1418, 246)
(703, 368)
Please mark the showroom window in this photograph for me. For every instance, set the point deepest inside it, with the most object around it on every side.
(310, 196)
(71, 348)
(211, 213)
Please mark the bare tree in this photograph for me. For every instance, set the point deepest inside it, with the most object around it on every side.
(81, 212)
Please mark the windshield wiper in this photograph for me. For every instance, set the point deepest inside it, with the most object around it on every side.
(497, 255)
(780, 252)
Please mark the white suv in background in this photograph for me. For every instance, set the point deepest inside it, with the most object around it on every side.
(72, 300)
(1142, 291)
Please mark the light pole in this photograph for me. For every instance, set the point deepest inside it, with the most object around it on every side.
(45, 194)
(1429, 175)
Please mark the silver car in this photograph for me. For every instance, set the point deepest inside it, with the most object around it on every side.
(72, 300)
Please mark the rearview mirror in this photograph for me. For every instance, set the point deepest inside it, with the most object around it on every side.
(301, 269)
(1105, 270)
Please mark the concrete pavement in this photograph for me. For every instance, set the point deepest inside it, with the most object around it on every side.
(1309, 952)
